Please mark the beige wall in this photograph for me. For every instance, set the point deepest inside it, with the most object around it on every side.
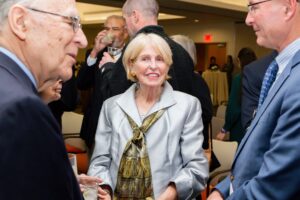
(235, 35)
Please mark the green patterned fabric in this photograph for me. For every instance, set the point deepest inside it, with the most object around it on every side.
(134, 175)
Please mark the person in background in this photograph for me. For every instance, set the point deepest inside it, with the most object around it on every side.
(51, 93)
(39, 41)
(203, 94)
(267, 158)
(213, 63)
(150, 119)
(253, 75)
(92, 74)
(61, 97)
(228, 68)
(141, 17)
(233, 123)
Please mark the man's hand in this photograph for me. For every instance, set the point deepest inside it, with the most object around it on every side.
(99, 45)
(105, 59)
(221, 136)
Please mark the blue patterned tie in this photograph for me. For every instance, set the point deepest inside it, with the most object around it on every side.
(269, 78)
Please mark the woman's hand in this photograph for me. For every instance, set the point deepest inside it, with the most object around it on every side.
(169, 194)
(215, 195)
(221, 136)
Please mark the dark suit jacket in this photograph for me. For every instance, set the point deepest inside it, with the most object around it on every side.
(33, 164)
(253, 75)
(91, 77)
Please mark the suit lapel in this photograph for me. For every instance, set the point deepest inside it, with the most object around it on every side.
(12, 67)
(278, 83)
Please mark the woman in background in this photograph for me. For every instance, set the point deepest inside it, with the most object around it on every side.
(233, 124)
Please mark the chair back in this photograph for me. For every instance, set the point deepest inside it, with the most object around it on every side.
(71, 123)
(224, 151)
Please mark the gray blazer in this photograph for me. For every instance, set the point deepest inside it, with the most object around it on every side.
(267, 162)
(174, 142)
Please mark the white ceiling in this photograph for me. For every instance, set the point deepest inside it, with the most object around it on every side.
(96, 11)
(239, 5)
(95, 14)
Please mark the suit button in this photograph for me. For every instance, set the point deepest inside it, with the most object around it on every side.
(231, 177)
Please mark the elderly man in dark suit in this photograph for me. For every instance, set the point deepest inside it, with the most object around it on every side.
(92, 74)
(39, 40)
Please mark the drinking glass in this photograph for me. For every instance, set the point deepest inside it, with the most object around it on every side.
(90, 191)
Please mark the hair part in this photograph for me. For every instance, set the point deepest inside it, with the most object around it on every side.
(136, 46)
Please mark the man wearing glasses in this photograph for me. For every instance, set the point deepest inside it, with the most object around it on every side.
(39, 41)
(267, 161)
(108, 46)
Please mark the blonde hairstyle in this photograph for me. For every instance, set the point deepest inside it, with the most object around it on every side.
(188, 44)
(136, 46)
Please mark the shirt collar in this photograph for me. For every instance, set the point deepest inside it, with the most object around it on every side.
(285, 56)
(20, 64)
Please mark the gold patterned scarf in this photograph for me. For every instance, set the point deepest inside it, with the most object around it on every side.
(134, 175)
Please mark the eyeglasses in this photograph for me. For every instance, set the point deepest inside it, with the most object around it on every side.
(74, 20)
(252, 7)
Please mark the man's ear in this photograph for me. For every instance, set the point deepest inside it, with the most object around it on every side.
(135, 16)
(291, 8)
(17, 21)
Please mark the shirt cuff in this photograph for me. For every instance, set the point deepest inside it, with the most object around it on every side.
(91, 61)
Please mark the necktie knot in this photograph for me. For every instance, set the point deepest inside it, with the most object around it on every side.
(268, 80)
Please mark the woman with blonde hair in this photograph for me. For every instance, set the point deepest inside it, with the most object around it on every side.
(148, 140)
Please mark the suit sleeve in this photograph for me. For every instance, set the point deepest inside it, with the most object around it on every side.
(193, 176)
(101, 158)
(33, 154)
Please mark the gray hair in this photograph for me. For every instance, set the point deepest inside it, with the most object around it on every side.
(188, 44)
(117, 17)
(149, 8)
(5, 5)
